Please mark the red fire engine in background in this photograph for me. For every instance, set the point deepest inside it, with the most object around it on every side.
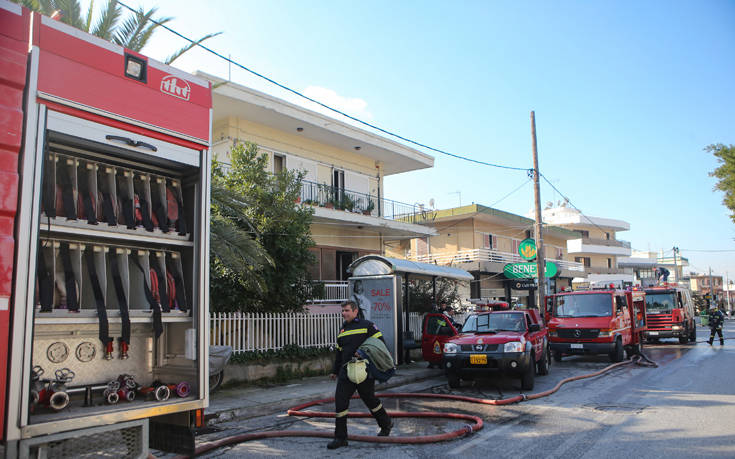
(104, 198)
(604, 321)
(670, 312)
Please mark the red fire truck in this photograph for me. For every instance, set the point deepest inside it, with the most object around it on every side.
(670, 313)
(104, 198)
(605, 321)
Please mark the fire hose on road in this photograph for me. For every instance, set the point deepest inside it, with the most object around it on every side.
(475, 424)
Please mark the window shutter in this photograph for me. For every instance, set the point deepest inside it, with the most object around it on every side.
(494, 245)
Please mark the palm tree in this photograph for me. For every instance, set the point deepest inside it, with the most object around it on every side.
(232, 243)
(133, 33)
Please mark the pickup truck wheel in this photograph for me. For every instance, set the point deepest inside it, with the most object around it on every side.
(527, 379)
(545, 362)
(617, 355)
(453, 380)
(557, 356)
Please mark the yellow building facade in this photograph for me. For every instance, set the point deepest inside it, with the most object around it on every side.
(482, 240)
(344, 167)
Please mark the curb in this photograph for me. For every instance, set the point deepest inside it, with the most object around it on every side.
(215, 416)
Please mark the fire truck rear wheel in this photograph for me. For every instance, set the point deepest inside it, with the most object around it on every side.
(453, 380)
(693, 334)
(684, 339)
(617, 355)
(557, 356)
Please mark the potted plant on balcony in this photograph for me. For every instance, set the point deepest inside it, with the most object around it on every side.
(369, 209)
(347, 203)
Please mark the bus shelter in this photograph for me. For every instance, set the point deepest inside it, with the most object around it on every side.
(377, 284)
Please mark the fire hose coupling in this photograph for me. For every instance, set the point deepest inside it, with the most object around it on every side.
(59, 399)
(108, 350)
(36, 384)
(524, 397)
(468, 428)
(110, 393)
(162, 393)
(126, 394)
(183, 389)
(123, 350)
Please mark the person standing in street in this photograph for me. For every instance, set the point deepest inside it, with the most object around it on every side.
(353, 333)
(716, 319)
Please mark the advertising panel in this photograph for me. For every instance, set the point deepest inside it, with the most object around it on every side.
(376, 296)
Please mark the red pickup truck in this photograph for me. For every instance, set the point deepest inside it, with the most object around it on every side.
(514, 342)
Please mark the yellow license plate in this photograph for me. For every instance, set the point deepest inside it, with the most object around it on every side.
(478, 359)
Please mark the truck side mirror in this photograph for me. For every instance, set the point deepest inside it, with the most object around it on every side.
(534, 328)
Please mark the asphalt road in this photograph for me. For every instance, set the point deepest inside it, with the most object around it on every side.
(684, 408)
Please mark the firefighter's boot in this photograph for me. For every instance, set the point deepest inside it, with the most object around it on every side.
(384, 421)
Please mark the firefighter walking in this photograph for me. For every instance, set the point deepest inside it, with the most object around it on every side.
(716, 319)
(353, 333)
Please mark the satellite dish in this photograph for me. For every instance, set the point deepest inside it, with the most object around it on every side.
(431, 203)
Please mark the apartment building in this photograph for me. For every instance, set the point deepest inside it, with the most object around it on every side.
(598, 249)
(482, 240)
(344, 170)
(704, 284)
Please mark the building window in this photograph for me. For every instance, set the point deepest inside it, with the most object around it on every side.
(609, 262)
(279, 163)
(584, 260)
(515, 244)
(607, 236)
(489, 241)
(422, 247)
(585, 233)
(559, 253)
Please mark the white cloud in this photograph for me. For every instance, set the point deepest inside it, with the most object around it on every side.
(353, 106)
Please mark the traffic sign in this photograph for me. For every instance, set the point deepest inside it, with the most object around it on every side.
(528, 270)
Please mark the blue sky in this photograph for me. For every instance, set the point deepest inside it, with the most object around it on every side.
(626, 95)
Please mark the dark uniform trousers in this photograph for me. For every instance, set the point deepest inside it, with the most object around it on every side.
(350, 337)
(342, 396)
(715, 321)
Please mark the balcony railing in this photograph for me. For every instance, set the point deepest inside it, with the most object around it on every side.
(323, 195)
(606, 242)
(334, 291)
(495, 256)
(603, 270)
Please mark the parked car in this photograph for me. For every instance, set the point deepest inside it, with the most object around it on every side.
(513, 342)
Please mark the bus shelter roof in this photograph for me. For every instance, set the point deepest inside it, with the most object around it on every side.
(376, 265)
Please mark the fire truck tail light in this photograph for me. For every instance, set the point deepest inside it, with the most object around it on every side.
(136, 68)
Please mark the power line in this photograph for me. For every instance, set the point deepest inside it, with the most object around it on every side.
(353, 118)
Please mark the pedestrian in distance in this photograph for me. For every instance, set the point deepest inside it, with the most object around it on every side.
(716, 318)
(353, 333)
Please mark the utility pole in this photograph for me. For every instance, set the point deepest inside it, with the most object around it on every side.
(727, 286)
(540, 259)
(711, 289)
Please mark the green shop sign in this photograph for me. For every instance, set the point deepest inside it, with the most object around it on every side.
(528, 270)
(527, 249)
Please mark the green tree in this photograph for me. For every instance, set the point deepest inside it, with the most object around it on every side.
(282, 228)
(133, 32)
(725, 174)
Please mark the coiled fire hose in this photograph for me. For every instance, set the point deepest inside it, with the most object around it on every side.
(476, 421)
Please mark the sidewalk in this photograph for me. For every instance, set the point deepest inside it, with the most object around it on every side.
(249, 402)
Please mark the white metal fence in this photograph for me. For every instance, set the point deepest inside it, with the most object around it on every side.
(334, 292)
(262, 332)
